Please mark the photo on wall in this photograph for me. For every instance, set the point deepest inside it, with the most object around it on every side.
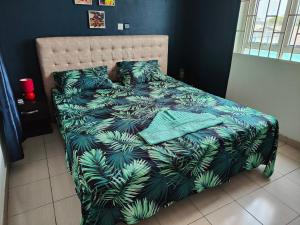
(84, 2)
(97, 19)
(107, 2)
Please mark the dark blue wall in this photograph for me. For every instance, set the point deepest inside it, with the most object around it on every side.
(23, 21)
(201, 33)
(208, 46)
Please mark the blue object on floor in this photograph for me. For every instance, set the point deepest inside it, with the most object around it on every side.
(11, 121)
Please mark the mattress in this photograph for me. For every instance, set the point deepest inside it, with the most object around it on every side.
(121, 178)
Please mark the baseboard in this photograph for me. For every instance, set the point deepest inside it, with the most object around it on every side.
(289, 141)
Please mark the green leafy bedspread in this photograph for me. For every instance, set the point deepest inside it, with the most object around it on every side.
(119, 177)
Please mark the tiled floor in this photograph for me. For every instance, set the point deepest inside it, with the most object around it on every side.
(42, 193)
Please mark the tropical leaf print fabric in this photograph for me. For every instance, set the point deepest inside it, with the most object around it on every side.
(121, 178)
(137, 72)
(75, 81)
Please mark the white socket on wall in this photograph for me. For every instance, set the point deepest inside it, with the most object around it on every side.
(120, 26)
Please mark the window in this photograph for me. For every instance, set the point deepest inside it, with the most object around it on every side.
(269, 28)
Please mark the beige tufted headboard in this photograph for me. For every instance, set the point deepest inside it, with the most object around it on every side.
(67, 53)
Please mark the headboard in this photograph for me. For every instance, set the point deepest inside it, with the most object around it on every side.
(67, 53)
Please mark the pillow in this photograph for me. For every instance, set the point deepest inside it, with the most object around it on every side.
(136, 72)
(75, 81)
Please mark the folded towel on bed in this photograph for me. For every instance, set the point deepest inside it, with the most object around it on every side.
(168, 125)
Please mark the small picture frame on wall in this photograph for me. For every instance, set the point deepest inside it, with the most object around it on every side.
(83, 2)
(107, 2)
(96, 19)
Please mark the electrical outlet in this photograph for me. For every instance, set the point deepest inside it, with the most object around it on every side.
(127, 26)
(120, 26)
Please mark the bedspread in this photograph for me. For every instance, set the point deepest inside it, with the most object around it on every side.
(119, 177)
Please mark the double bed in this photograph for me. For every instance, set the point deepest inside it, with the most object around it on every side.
(118, 176)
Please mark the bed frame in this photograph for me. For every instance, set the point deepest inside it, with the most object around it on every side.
(67, 53)
(58, 54)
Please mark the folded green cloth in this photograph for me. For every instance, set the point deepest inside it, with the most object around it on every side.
(168, 125)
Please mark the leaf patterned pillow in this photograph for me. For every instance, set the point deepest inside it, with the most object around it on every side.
(76, 81)
(136, 72)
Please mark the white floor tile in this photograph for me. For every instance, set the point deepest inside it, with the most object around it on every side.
(240, 186)
(231, 214)
(294, 176)
(295, 222)
(54, 144)
(57, 165)
(34, 150)
(28, 197)
(202, 221)
(68, 211)
(285, 165)
(287, 191)
(28, 172)
(257, 176)
(210, 200)
(267, 208)
(40, 216)
(183, 212)
(290, 152)
(30, 200)
(62, 186)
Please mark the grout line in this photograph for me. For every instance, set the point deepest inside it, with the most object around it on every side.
(292, 179)
(288, 174)
(294, 219)
(26, 163)
(196, 220)
(269, 181)
(281, 201)
(44, 142)
(207, 220)
(61, 174)
(199, 219)
(58, 174)
(46, 178)
(220, 207)
(33, 182)
(71, 196)
(275, 198)
(204, 215)
(28, 210)
(249, 213)
(236, 200)
(190, 200)
(263, 188)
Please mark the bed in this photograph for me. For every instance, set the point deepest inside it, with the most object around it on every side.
(118, 176)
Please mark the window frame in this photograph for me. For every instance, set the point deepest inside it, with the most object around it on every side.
(246, 29)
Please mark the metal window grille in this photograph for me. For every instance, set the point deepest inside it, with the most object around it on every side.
(269, 28)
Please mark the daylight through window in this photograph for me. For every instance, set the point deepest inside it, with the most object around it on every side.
(269, 28)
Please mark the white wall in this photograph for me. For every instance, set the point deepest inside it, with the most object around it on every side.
(2, 183)
(269, 85)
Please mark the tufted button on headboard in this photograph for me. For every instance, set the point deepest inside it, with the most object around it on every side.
(67, 53)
